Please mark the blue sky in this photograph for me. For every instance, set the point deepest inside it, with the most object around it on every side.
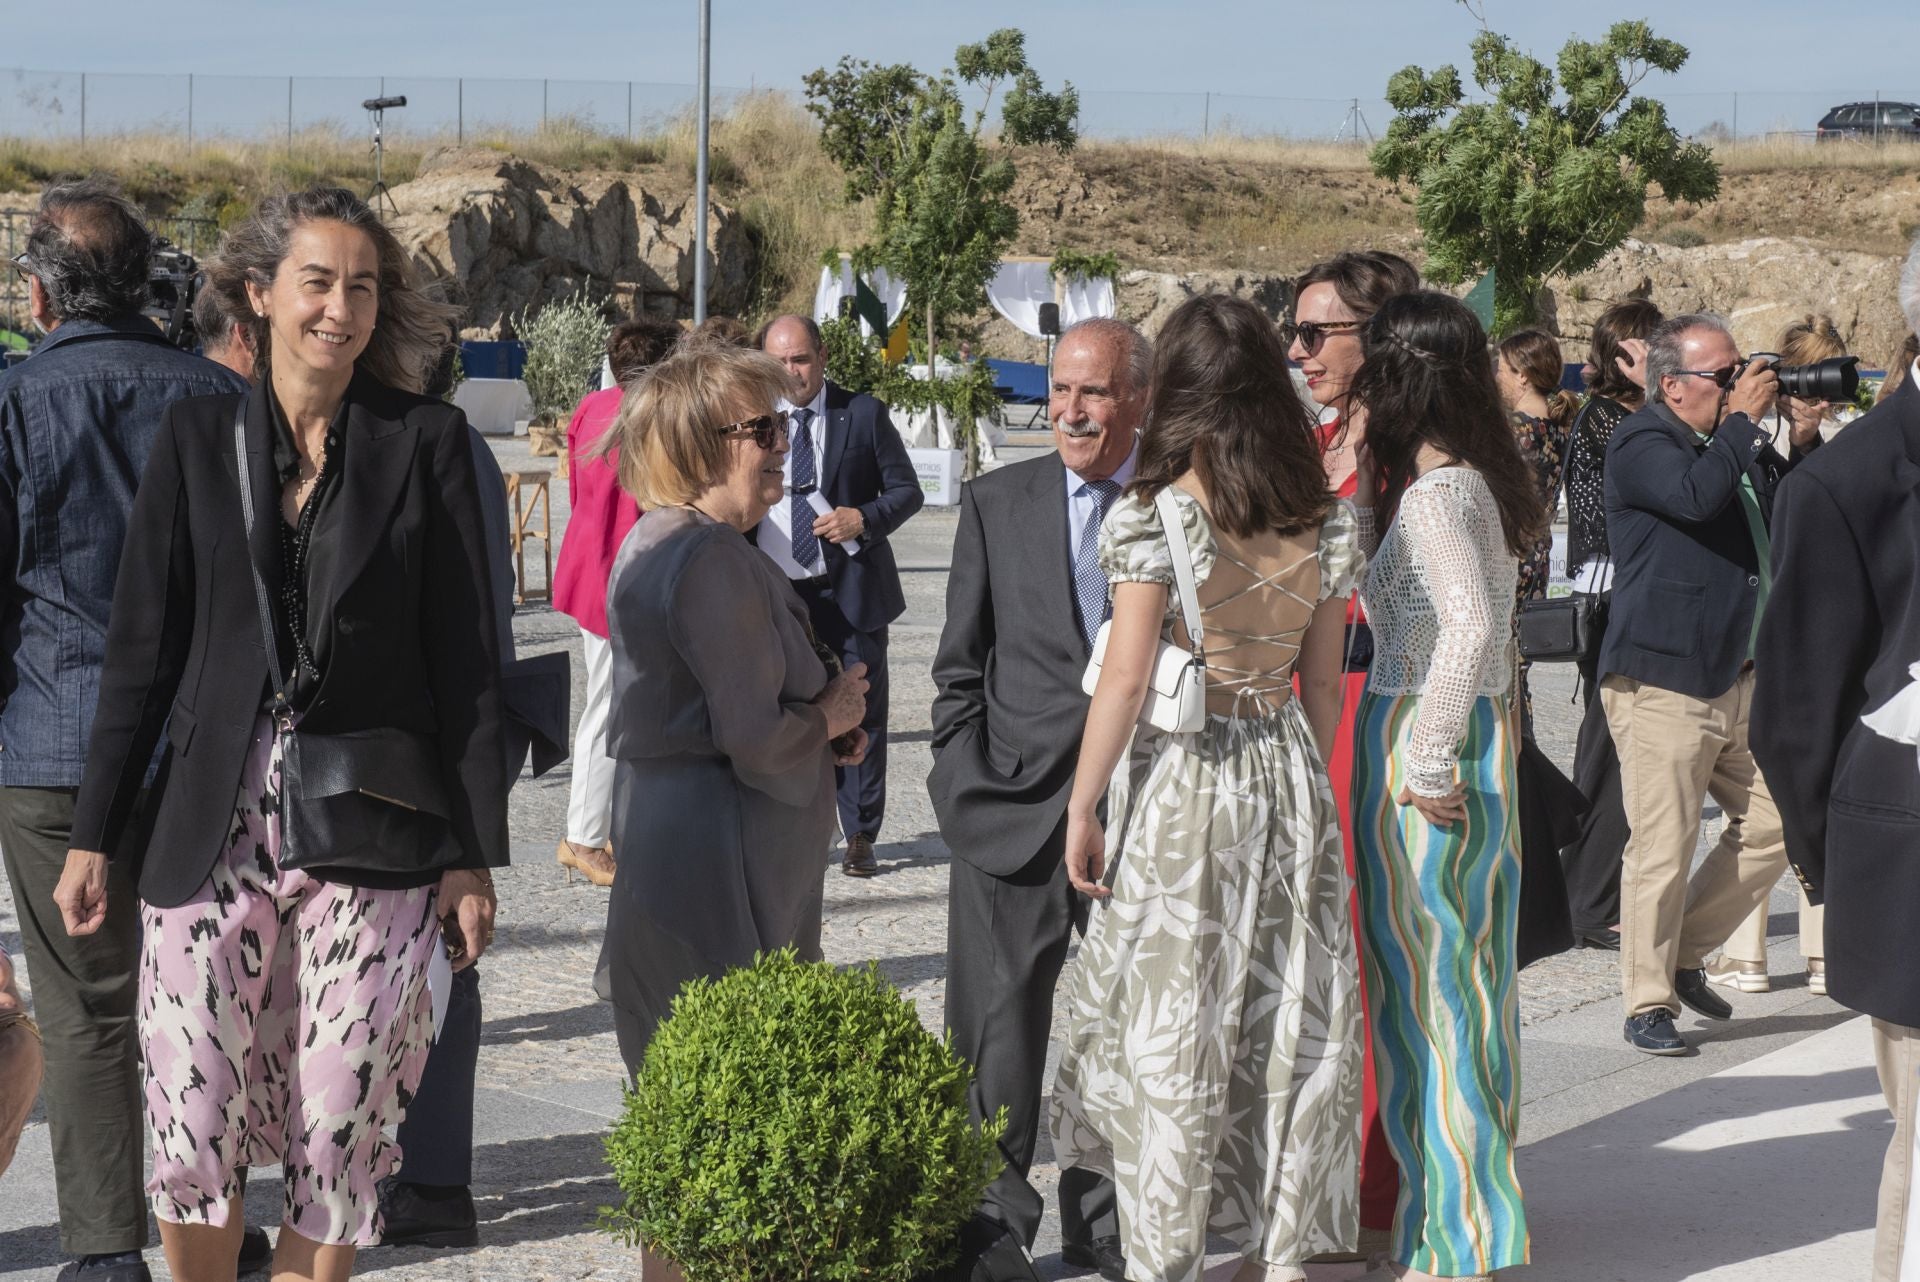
(1789, 60)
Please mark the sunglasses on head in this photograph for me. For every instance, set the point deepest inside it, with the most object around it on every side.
(765, 429)
(1312, 334)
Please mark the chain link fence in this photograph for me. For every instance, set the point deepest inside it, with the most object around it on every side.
(79, 106)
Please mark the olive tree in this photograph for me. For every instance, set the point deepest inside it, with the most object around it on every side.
(1548, 174)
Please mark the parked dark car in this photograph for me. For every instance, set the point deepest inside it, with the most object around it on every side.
(1870, 121)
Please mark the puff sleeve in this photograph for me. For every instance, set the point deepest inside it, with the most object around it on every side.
(1134, 548)
(1342, 563)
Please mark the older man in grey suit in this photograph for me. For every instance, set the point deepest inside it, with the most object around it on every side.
(1022, 608)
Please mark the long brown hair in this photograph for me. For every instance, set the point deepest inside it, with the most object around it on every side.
(1537, 356)
(1427, 381)
(1634, 318)
(1362, 279)
(1224, 406)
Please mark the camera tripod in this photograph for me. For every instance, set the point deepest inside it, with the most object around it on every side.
(377, 111)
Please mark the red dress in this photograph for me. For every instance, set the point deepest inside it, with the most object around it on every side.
(600, 515)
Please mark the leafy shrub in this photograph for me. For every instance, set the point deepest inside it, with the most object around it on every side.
(795, 1123)
(1680, 237)
(566, 341)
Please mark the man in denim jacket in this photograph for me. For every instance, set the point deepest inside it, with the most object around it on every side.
(76, 422)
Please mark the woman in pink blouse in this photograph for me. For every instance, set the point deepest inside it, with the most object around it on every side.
(600, 514)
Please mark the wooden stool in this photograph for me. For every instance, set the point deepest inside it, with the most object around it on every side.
(523, 518)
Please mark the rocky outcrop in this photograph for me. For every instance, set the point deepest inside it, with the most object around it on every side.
(506, 235)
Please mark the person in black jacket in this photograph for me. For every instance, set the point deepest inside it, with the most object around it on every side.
(845, 448)
(285, 1016)
(1834, 726)
(1688, 483)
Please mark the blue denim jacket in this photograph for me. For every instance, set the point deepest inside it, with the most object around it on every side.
(76, 423)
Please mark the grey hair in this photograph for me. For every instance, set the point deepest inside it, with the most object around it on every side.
(90, 251)
(807, 323)
(1139, 347)
(415, 326)
(1910, 288)
(211, 320)
(1666, 352)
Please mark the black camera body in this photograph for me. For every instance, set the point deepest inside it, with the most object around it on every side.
(1835, 379)
(172, 282)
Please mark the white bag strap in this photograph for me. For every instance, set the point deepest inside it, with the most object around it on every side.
(1182, 571)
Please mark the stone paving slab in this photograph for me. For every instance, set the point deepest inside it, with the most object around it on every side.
(551, 1072)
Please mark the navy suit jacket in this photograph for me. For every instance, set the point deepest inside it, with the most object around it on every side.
(866, 467)
(1686, 575)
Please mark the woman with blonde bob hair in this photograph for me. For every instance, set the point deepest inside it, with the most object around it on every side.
(305, 581)
(727, 716)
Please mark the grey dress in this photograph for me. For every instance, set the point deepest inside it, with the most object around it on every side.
(723, 781)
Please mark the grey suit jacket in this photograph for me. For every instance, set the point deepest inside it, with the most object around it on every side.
(1007, 709)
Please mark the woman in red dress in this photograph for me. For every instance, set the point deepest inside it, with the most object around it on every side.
(1331, 300)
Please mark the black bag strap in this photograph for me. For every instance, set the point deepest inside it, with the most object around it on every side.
(281, 712)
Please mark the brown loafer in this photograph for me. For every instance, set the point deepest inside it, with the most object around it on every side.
(859, 861)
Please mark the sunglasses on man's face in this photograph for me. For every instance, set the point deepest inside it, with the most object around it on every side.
(1311, 335)
(21, 264)
(1724, 377)
(765, 429)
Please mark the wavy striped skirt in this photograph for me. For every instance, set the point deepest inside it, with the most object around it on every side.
(1438, 910)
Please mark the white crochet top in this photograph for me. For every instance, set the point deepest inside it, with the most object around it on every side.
(1439, 593)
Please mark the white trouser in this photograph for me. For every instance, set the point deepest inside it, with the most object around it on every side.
(590, 802)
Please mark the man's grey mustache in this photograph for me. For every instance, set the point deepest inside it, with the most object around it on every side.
(1079, 431)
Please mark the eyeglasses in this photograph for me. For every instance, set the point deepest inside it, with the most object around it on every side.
(1312, 334)
(765, 429)
(1723, 378)
(21, 263)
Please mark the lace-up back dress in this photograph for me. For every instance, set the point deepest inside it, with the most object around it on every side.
(1212, 1064)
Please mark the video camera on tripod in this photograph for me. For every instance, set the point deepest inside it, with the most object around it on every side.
(173, 281)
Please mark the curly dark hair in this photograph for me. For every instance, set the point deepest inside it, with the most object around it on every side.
(1427, 380)
(1224, 406)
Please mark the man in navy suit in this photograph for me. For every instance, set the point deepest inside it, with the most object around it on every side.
(847, 458)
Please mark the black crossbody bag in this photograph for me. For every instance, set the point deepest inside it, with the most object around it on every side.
(362, 801)
(1559, 629)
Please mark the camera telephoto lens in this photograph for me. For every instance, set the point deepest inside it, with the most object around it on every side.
(1834, 379)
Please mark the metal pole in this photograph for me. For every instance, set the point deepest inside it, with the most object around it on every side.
(1736, 117)
(460, 109)
(289, 115)
(700, 167)
(629, 111)
(543, 104)
(83, 109)
(189, 113)
(1206, 117)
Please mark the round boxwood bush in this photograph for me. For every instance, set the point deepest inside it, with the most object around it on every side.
(794, 1123)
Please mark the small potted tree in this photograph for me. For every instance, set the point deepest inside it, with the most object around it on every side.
(794, 1122)
(565, 341)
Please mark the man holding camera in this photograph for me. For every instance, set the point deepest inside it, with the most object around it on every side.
(76, 423)
(1689, 488)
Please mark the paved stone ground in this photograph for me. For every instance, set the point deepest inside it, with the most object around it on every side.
(551, 1071)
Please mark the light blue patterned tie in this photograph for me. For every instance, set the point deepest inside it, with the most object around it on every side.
(806, 547)
(1089, 580)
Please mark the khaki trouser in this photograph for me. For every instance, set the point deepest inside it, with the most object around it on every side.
(1896, 1054)
(1674, 751)
(1748, 943)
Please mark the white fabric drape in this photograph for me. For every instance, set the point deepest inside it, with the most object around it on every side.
(1086, 298)
(1017, 290)
(838, 284)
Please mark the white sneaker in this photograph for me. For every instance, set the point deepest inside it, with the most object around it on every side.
(1741, 976)
(1816, 977)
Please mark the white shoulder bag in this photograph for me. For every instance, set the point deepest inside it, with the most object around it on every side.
(1177, 689)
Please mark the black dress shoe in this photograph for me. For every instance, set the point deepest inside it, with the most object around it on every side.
(127, 1266)
(256, 1251)
(1692, 988)
(1655, 1034)
(427, 1215)
(1603, 938)
(859, 861)
(1103, 1255)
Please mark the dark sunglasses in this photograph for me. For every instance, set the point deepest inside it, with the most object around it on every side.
(765, 429)
(21, 263)
(1312, 334)
(1723, 378)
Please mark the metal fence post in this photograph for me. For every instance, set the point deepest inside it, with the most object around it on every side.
(460, 110)
(629, 111)
(289, 115)
(1206, 117)
(1736, 117)
(189, 113)
(543, 104)
(83, 109)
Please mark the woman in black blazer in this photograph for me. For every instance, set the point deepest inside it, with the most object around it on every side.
(283, 1013)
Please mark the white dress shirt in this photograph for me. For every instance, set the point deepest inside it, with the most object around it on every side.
(1081, 506)
(776, 528)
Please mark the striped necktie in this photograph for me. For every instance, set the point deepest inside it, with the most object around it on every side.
(806, 547)
(1089, 580)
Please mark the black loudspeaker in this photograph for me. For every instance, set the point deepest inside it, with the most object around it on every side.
(1050, 320)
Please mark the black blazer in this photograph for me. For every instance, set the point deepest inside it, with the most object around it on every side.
(1007, 710)
(1686, 576)
(1841, 631)
(866, 467)
(401, 618)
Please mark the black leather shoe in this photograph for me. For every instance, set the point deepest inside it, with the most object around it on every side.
(127, 1266)
(1692, 988)
(256, 1251)
(1603, 938)
(859, 861)
(1655, 1034)
(1103, 1255)
(427, 1215)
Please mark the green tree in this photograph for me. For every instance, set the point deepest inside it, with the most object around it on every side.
(1544, 179)
(937, 181)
